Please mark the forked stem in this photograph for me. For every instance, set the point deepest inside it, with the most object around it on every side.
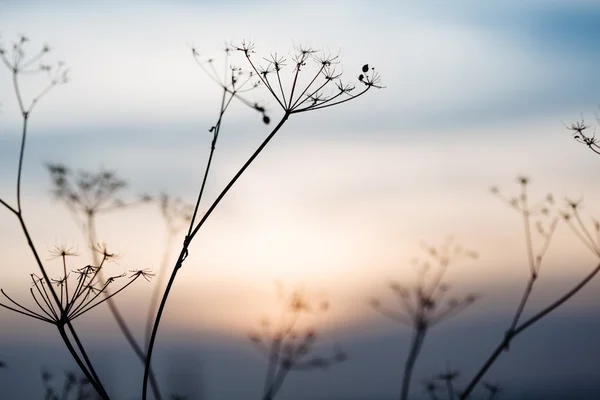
(510, 335)
(184, 250)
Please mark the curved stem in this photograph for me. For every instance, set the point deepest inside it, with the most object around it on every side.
(156, 291)
(96, 384)
(417, 343)
(510, 335)
(87, 361)
(21, 158)
(277, 383)
(184, 250)
(112, 306)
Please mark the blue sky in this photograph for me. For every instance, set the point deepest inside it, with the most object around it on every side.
(475, 94)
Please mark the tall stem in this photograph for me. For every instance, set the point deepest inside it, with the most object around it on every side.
(112, 306)
(96, 384)
(276, 384)
(510, 335)
(95, 380)
(184, 250)
(156, 291)
(417, 343)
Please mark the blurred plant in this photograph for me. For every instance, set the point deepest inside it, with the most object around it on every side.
(73, 387)
(300, 97)
(425, 304)
(581, 134)
(448, 379)
(76, 297)
(18, 64)
(545, 227)
(3, 364)
(89, 194)
(288, 347)
(176, 215)
(445, 384)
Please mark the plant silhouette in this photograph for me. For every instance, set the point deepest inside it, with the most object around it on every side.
(87, 195)
(426, 304)
(286, 346)
(322, 89)
(314, 84)
(544, 227)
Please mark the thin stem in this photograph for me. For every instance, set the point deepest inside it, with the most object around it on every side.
(52, 317)
(417, 342)
(239, 174)
(512, 334)
(18, 93)
(27, 311)
(277, 383)
(137, 348)
(310, 108)
(528, 241)
(156, 291)
(82, 308)
(96, 384)
(184, 251)
(5, 204)
(585, 231)
(87, 359)
(523, 302)
(266, 82)
(272, 367)
(21, 157)
(558, 302)
(281, 87)
(209, 162)
(309, 85)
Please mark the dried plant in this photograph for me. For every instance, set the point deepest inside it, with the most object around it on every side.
(581, 133)
(18, 64)
(426, 304)
(87, 290)
(86, 195)
(545, 227)
(299, 97)
(288, 347)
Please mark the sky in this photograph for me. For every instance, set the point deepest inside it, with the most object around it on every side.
(341, 200)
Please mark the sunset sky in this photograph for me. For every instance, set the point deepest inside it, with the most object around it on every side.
(476, 94)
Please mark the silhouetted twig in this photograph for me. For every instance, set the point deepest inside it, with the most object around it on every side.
(310, 98)
(17, 63)
(574, 221)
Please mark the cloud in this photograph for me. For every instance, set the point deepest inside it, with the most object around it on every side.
(133, 65)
